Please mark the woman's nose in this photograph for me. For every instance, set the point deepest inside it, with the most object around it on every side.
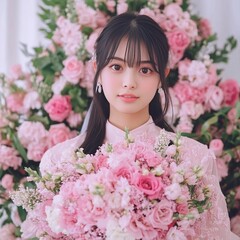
(130, 79)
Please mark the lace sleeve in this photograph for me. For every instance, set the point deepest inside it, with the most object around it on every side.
(215, 224)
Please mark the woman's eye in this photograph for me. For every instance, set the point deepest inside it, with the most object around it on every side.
(116, 67)
(146, 70)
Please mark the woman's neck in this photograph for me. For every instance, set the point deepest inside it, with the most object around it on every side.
(129, 121)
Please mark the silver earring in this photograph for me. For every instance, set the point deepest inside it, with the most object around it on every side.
(99, 87)
(160, 90)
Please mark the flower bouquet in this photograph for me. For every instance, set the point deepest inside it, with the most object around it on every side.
(133, 189)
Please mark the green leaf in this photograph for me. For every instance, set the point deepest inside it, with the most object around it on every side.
(208, 123)
(18, 146)
(237, 110)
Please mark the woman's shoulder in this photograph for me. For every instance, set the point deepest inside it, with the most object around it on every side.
(55, 156)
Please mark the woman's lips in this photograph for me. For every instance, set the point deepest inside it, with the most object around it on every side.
(128, 97)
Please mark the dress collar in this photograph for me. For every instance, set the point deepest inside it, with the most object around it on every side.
(114, 134)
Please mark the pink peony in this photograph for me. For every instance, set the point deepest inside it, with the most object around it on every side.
(230, 90)
(58, 107)
(178, 40)
(58, 133)
(73, 69)
(217, 146)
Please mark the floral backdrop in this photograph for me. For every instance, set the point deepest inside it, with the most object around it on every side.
(47, 104)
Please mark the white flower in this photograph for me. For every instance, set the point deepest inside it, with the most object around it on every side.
(173, 191)
(114, 231)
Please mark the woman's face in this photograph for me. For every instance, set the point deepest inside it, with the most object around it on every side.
(129, 90)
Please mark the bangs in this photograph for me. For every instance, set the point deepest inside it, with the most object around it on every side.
(132, 55)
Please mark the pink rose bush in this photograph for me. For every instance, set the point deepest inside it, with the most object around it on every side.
(47, 103)
(136, 197)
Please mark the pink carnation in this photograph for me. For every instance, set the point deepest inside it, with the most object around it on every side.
(29, 132)
(205, 29)
(230, 90)
(58, 107)
(36, 150)
(15, 102)
(59, 133)
(9, 158)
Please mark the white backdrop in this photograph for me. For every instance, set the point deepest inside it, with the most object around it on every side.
(19, 23)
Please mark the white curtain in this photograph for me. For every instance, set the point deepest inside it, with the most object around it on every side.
(19, 23)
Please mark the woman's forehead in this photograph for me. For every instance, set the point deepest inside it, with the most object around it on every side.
(133, 51)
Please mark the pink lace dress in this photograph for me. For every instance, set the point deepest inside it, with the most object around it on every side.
(214, 225)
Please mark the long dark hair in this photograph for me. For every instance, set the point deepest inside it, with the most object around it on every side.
(137, 29)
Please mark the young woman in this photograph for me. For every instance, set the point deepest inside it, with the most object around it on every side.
(131, 66)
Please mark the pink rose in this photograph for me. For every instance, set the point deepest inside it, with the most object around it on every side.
(125, 172)
(73, 69)
(217, 146)
(161, 215)
(214, 98)
(178, 40)
(58, 107)
(150, 185)
(235, 226)
(7, 181)
(182, 208)
(59, 133)
(205, 29)
(230, 90)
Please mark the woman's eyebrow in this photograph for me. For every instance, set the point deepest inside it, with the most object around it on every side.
(121, 59)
